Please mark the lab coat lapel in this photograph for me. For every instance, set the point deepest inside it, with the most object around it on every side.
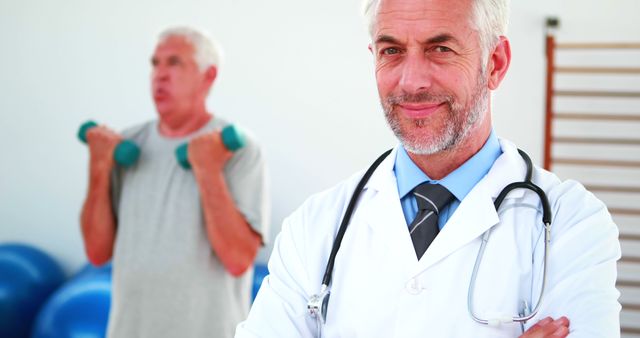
(474, 216)
(476, 213)
(383, 213)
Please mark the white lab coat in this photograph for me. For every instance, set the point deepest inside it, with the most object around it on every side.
(380, 289)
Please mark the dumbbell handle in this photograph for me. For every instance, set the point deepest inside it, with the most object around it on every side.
(231, 138)
(126, 152)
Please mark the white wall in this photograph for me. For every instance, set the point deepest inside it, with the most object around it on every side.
(296, 73)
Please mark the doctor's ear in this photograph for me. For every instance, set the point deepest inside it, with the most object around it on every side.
(498, 63)
(370, 48)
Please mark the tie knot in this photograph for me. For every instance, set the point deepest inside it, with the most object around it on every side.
(432, 197)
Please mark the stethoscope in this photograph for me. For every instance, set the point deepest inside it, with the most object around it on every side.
(318, 303)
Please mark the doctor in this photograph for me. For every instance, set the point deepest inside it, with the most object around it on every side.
(436, 62)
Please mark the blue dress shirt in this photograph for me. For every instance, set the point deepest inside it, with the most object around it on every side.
(459, 182)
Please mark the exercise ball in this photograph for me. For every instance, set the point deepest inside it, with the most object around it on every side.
(260, 271)
(79, 309)
(27, 277)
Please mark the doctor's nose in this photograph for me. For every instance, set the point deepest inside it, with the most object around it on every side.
(415, 74)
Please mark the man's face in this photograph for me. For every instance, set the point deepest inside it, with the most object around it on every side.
(176, 82)
(428, 68)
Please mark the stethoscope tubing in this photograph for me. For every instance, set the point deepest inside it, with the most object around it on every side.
(328, 272)
(546, 219)
(474, 274)
(318, 303)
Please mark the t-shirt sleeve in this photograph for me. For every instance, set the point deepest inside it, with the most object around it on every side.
(246, 177)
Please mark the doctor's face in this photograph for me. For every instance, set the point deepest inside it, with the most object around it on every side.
(431, 82)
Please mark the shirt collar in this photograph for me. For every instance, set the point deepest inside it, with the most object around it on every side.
(459, 182)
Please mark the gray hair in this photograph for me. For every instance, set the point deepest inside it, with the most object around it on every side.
(206, 53)
(490, 19)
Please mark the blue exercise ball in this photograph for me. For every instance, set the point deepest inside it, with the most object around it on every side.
(27, 277)
(79, 309)
(259, 273)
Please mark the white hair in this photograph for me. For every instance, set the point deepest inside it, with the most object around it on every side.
(206, 53)
(490, 19)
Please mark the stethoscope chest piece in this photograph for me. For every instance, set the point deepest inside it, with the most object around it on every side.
(317, 307)
(318, 303)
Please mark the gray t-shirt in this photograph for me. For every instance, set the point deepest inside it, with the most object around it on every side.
(167, 280)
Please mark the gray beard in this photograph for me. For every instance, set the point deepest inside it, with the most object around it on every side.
(461, 119)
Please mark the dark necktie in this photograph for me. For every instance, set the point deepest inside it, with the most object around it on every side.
(431, 199)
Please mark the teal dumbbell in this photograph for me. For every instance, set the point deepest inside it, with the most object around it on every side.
(126, 152)
(231, 138)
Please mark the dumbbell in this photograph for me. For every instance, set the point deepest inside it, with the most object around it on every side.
(126, 152)
(231, 138)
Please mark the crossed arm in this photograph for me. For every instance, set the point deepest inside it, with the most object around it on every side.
(548, 328)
